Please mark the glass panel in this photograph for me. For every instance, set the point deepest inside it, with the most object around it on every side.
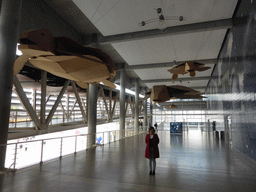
(51, 149)
(112, 136)
(68, 145)
(81, 142)
(106, 137)
(9, 157)
(116, 135)
(28, 154)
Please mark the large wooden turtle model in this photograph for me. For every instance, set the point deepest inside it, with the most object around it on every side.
(63, 57)
(187, 67)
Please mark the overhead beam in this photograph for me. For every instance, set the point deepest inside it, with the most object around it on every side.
(177, 80)
(167, 64)
(174, 30)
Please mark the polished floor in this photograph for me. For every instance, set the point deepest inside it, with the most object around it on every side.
(193, 161)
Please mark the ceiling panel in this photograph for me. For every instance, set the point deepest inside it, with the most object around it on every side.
(202, 45)
(154, 50)
(122, 16)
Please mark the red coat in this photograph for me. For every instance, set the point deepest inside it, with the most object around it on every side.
(155, 146)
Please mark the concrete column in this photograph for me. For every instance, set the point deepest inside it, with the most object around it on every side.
(145, 112)
(87, 103)
(9, 27)
(122, 104)
(151, 114)
(43, 96)
(92, 115)
(136, 118)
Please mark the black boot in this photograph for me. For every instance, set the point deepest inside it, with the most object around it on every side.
(150, 173)
(153, 173)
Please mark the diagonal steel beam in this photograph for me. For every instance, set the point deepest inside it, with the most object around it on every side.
(49, 118)
(174, 30)
(48, 99)
(25, 102)
(104, 99)
(78, 100)
(63, 110)
(126, 104)
(72, 109)
(114, 107)
(85, 107)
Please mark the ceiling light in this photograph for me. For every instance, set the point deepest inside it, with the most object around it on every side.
(161, 20)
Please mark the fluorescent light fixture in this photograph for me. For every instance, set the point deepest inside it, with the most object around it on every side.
(18, 52)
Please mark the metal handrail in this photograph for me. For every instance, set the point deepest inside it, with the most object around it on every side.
(125, 135)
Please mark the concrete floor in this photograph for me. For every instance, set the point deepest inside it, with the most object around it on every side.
(193, 161)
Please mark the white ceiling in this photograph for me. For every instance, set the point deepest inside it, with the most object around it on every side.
(122, 16)
(113, 17)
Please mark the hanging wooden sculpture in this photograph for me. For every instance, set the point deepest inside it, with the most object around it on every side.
(187, 67)
(65, 58)
(162, 93)
(172, 106)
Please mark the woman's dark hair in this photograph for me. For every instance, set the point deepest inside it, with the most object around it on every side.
(151, 128)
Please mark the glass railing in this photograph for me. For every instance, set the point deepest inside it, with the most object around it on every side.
(23, 154)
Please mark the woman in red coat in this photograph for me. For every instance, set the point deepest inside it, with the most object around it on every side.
(152, 151)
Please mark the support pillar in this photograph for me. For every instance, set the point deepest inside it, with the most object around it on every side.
(92, 115)
(43, 96)
(145, 124)
(87, 103)
(136, 118)
(151, 114)
(9, 27)
(122, 105)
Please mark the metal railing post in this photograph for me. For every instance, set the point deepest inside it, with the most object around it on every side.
(61, 147)
(75, 143)
(15, 155)
(42, 151)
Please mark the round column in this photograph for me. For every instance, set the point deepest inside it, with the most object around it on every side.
(122, 105)
(9, 32)
(92, 114)
(136, 119)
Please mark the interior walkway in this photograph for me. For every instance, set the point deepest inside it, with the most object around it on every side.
(193, 161)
